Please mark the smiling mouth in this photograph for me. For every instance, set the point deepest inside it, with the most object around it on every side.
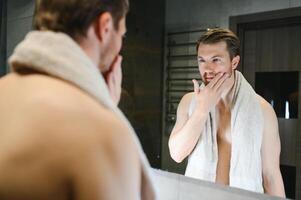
(209, 78)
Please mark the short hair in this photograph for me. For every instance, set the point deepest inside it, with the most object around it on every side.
(74, 17)
(215, 35)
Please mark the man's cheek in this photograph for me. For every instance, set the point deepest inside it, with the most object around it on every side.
(202, 76)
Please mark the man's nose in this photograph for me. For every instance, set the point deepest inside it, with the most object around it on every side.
(208, 68)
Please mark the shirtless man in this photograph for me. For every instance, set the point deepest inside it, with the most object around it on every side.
(218, 57)
(57, 140)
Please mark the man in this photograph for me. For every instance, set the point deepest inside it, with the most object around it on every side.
(61, 133)
(228, 131)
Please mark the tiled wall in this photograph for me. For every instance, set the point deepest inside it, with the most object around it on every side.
(208, 13)
(19, 22)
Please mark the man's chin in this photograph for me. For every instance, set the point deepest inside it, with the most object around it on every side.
(206, 82)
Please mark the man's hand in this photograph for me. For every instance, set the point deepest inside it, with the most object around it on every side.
(114, 79)
(187, 130)
(209, 96)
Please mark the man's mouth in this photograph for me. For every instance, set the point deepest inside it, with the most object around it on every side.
(209, 78)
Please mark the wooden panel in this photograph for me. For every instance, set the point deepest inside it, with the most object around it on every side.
(277, 49)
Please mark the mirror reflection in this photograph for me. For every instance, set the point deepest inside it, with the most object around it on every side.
(270, 64)
(227, 131)
(237, 124)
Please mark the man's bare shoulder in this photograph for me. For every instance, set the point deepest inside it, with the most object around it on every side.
(63, 112)
(68, 106)
(183, 107)
(186, 100)
(188, 96)
(267, 110)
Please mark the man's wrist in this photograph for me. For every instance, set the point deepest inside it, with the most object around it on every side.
(200, 113)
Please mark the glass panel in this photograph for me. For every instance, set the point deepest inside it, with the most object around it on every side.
(281, 90)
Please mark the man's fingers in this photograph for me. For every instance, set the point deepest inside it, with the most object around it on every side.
(196, 86)
(114, 76)
(221, 81)
(119, 60)
(114, 88)
(118, 74)
(114, 79)
(116, 63)
(110, 80)
(215, 80)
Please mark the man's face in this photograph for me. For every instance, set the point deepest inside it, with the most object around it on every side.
(214, 59)
(114, 44)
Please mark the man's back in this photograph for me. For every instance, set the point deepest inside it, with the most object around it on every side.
(56, 142)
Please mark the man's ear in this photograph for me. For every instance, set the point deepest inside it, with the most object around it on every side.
(103, 26)
(235, 62)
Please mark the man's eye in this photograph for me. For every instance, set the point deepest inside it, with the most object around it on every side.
(216, 60)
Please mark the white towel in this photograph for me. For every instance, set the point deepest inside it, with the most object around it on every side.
(57, 55)
(246, 133)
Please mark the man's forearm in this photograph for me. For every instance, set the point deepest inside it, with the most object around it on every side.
(184, 140)
(273, 185)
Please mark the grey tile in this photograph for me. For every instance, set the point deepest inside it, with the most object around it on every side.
(216, 12)
(295, 3)
(260, 6)
(16, 31)
(17, 9)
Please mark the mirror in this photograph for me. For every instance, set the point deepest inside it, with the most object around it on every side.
(261, 53)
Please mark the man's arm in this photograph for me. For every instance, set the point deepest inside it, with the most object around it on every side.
(187, 130)
(270, 153)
